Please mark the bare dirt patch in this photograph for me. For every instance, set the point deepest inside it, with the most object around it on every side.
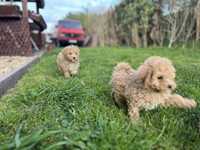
(10, 63)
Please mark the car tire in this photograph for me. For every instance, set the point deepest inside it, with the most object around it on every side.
(81, 44)
(56, 42)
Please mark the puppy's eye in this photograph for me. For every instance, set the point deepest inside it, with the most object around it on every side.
(160, 77)
(70, 53)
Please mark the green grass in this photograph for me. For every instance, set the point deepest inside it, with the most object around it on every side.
(47, 111)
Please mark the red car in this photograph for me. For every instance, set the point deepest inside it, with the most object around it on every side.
(69, 32)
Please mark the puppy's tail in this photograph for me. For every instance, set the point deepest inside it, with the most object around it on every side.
(123, 67)
(120, 72)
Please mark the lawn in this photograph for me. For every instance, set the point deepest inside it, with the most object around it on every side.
(46, 111)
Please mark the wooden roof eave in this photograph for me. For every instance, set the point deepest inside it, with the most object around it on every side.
(40, 3)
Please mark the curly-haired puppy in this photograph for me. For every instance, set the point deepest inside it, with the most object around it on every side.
(148, 87)
(68, 61)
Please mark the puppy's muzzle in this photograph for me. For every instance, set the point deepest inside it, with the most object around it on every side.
(74, 59)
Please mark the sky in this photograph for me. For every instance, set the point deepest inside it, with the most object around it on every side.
(57, 9)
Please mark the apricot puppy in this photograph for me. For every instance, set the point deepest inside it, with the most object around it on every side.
(148, 87)
(68, 61)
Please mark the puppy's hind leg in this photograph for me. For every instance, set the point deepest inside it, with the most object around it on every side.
(115, 98)
(119, 100)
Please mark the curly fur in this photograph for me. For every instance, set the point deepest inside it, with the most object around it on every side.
(68, 61)
(148, 87)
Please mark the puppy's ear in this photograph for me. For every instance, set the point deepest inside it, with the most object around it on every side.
(148, 78)
(64, 52)
(143, 72)
(78, 50)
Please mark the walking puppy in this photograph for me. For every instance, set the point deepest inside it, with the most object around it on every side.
(148, 87)
(68, 61)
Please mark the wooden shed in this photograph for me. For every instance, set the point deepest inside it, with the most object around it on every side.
(19, 35)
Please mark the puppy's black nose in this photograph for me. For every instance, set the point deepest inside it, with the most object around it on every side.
(74, 57)
(169, 86)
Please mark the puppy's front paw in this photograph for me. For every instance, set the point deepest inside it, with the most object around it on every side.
(74, 72)
(67, 75)
(192, 103)
(134, 114)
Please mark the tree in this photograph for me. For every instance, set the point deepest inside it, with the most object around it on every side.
(197, 13)
(156, 33)
(179, 21)
(134, 16)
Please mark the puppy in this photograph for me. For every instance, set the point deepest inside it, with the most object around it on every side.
(68, 61)
(148, 87)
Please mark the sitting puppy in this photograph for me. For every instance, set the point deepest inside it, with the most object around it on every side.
(68, 61)
(148, 87)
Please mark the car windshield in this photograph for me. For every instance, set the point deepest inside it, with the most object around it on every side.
(70, 24)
